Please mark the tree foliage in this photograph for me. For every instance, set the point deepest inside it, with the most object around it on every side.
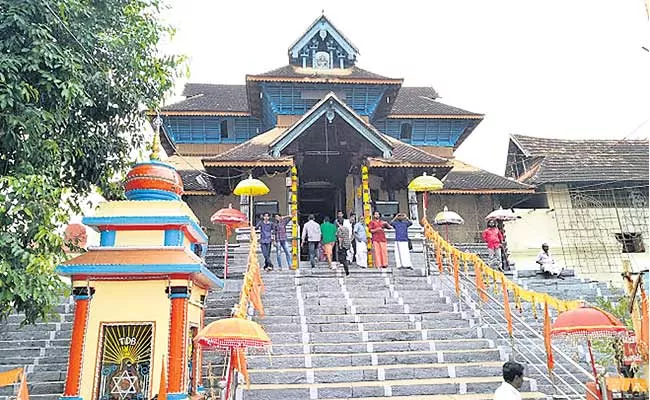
(75, 79)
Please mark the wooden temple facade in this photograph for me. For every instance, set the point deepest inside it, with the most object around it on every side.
(326, 119)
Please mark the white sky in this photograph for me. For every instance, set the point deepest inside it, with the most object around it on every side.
(553, 68)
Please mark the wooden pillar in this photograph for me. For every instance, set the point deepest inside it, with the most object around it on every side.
(367, 212)
(177, 362)
(295, 232)
(82, 296)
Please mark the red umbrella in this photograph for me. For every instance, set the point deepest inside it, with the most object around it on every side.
(232, 218)
(589, 323)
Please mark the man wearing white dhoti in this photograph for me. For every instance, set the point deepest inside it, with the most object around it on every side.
(402, 253)
(361, 239)
(548, 264)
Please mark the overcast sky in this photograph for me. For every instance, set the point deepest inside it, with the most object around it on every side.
(553, 68)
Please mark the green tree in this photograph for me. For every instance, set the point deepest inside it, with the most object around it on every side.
(76, 77)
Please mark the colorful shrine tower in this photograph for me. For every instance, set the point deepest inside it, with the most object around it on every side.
(140, 295)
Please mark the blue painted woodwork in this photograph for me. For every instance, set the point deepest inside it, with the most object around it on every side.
(427, 132)
(179, 296)
(138, 269)
(107, 238)
(207, 129)
(151, 194)
(149, 220)
(295, 98)
(331, 102)
(173, 237)
(322, 36)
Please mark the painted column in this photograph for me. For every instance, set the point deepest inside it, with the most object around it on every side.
(367, 212)
(245, 207)
(295, 235)
(177, 363)
(82, 296)
(414, 214)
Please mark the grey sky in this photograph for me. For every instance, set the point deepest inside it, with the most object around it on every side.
(555, 68)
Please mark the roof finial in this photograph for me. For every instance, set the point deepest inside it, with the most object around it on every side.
(322, 12)
(155, 145)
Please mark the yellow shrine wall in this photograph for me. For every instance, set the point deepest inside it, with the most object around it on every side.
(124, 302)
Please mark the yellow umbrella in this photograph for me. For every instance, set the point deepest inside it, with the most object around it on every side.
(251, 187)
(425, 183)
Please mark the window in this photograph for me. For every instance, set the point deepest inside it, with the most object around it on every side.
(224, 129)
(405, 131)
(632, 242)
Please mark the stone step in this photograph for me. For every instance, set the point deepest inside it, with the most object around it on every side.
(365, 358)
(467, 396)
(401, 387)
(35, 388)
(379, 347)
(366, 326)
(364, 318)
(39, 326)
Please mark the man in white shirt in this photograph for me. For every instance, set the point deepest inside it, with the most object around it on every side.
(513, 377)
(548, 264)
(311, 234)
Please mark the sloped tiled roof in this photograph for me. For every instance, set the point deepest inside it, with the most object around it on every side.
(203, 97)
(561, 160)
(193, 184)
(293, 73)
(422, 101)
(252, 150)
(468, 178)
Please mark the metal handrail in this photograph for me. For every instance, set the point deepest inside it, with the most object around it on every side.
(493, 310)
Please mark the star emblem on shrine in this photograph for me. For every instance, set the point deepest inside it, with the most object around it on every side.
(124, 384)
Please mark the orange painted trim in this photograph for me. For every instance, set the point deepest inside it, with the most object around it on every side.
(287, 163)
(384, 164)
(483, 191)
(176, 361)
(75, 358)
(310, 79)
(199, 193)
(216, 113)
(434, 116)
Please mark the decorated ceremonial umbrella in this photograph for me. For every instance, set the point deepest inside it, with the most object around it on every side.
(251, 187)
(446, 218)
(232, 218)
(425, 183)
(501, 215)
(234, 335)
(589, 323)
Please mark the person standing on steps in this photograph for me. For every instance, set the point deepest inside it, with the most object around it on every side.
(341, 220)
(266, 240)
(352, 253)
(343, 245)
(281, 243)
(379, 245)
(328, 232)
(493, 237)
(361, 240)
(402, 252)
(311, 234)
(513, 378)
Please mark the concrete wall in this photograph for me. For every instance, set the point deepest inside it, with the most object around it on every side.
(472, 208)
(581, 238)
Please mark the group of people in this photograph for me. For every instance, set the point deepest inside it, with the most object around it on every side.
(343, 241)
(495, 240)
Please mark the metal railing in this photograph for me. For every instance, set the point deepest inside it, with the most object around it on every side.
(526, 343)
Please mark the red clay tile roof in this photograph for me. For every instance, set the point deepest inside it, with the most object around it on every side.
(292, 73)
(422, 101)
(116, 255)
(202, 97)
(561, 160)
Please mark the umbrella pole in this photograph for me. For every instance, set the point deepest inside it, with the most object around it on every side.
(225, 258)
(229, 373)
(447, 232)
(425, 198)
(593, 363)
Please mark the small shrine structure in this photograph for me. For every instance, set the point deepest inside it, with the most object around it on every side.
(140, 295)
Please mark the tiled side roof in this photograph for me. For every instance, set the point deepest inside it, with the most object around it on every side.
(422, 101)
(211, 98)
(191, 182)
(585, 160)
(293, 72)
(467, 178)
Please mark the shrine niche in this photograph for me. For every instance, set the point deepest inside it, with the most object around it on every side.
(125, 364)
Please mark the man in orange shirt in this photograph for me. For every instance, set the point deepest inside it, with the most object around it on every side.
(379, 245)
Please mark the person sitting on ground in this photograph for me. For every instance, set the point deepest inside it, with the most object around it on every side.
(328, 232)
(513, 378)
(548, 264)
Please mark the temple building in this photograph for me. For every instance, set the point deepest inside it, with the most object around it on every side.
(327, 117)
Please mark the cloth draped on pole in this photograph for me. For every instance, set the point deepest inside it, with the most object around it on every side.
(547, 339)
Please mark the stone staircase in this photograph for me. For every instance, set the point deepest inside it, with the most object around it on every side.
(372, 335)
